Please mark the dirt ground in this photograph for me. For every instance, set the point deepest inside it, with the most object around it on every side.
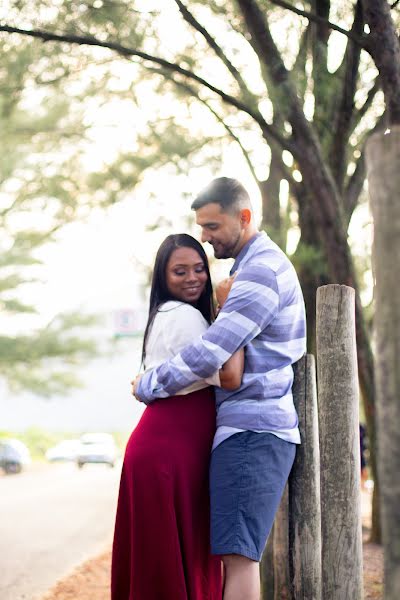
(90, 581)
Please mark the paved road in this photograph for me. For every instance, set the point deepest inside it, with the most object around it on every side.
(51, 519)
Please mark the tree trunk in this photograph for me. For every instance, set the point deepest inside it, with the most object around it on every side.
(270, 188)
(309, 261)
(383, 160)
(384, 46)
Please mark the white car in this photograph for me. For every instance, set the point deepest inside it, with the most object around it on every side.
(97, 448)
(64, 451)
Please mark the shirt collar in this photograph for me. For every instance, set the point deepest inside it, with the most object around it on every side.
(248, 250)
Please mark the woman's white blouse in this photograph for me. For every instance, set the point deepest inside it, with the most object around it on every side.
(175, 326)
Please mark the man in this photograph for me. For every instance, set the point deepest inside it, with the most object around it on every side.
(257, 427)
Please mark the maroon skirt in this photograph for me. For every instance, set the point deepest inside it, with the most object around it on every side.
(161, 547)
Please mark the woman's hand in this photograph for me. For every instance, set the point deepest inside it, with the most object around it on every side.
(134, 384)
(223, 289)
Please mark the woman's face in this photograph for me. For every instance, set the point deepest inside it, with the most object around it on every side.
(186, 275)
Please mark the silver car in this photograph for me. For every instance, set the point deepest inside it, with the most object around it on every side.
(96, 448)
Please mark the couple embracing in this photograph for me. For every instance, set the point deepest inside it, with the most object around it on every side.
(206, 466)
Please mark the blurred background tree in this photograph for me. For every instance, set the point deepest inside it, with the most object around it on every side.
(295, 89)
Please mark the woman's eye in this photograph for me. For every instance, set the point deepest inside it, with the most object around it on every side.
(200, 269)
(180, 273)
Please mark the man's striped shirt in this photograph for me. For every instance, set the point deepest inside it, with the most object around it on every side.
(265, 314)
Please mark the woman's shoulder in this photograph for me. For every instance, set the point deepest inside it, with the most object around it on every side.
(170, 305)
(180, 315)
(176, 307)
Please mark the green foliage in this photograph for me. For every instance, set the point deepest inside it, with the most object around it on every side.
(311, 259)
(41, 361)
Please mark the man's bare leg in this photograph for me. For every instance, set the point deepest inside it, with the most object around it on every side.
(242, 578)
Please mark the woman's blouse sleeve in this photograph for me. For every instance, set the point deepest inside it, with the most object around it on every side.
(182, 326)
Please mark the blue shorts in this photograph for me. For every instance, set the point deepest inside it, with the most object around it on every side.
(248, 474)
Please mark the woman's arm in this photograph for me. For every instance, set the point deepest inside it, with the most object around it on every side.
(231, 372)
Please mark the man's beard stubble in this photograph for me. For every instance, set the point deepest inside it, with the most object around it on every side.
(228, 250)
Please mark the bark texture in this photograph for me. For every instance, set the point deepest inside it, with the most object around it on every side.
(383, 162)
(342, 569)
(304, 490)
(384, 46)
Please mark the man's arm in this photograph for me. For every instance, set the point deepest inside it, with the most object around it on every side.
(252, 303)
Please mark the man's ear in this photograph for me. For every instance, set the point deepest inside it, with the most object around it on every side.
(245, 216)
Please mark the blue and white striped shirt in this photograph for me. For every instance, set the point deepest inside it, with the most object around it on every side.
(265, 314)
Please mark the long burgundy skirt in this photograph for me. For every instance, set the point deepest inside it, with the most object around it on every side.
(161, 547)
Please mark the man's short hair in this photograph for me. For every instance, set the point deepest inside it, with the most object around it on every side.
(229, 193)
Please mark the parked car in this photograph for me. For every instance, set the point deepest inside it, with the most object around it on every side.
(64, 451)
(14, 456)
(97, 448)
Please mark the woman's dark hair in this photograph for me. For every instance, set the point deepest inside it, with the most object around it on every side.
(159, 290)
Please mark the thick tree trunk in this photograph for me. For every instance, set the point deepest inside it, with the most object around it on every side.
(310, 263)
(383, 160)
(384, 46)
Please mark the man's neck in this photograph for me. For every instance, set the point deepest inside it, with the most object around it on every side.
(245, 240)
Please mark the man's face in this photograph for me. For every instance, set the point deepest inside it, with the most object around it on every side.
(224, 231)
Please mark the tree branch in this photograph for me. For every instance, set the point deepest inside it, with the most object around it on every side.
(189, 18)
(360, 40)
(358, 115)
(299, 67)
(344, 108)
(290, 107)
(356, 181)
(46, 36)
(193, 92)
(354, 187)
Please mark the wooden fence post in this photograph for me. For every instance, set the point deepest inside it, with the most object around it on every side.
(342, 571)
(304, 490)
(383, 161)
(267, 569)
(282, 586)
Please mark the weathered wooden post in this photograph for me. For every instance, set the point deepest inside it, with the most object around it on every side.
(267, 569)
(337, 377)
(383, 165)
(282, 586)
(304, 490)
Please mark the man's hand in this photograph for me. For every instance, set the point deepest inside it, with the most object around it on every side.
(134, 384)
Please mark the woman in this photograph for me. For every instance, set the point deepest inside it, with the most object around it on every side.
(161, 542)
